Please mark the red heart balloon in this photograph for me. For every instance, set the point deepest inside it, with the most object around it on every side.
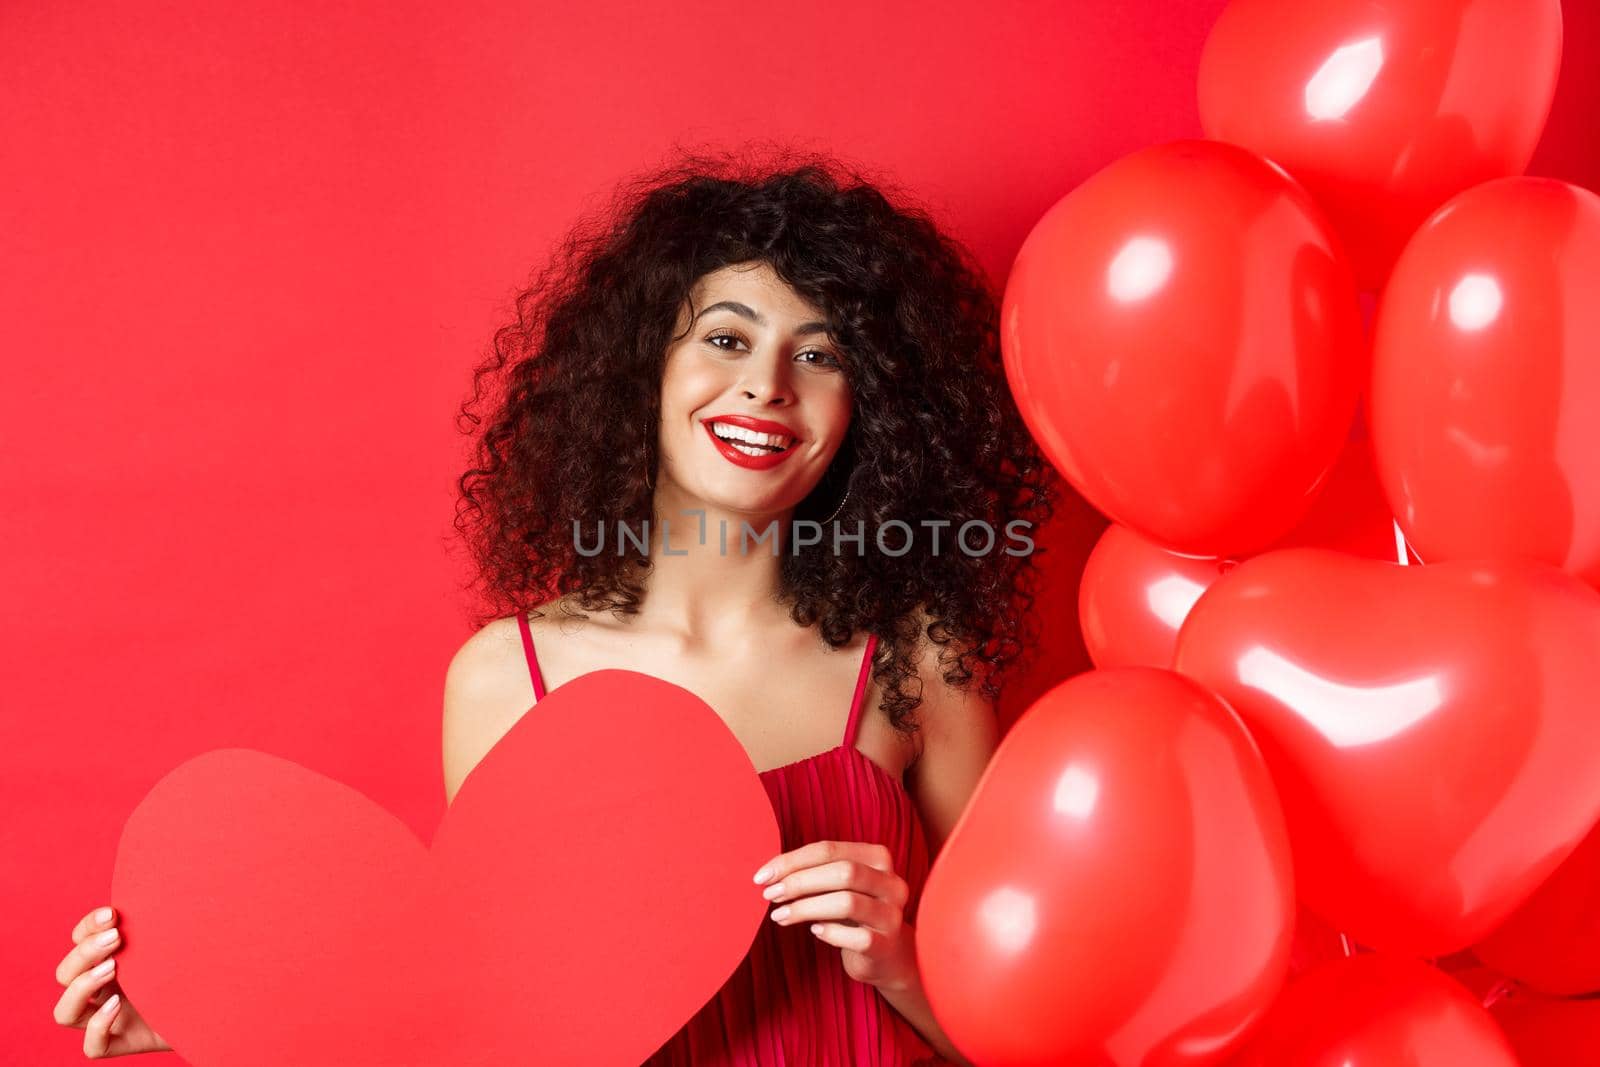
(1432, 730)
(1552, 942)
(1182, 335)
(1372, 1010)
(1384, 111)
(1486, 375)
(585, 894)
(1551, 1033)
(1118, 890)
(1134, 594)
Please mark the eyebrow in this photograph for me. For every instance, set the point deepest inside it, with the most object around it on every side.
(748, 312)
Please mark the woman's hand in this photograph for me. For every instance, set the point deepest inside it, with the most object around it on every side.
(850, 894)
(92, 1002)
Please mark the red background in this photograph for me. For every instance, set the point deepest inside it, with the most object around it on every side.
(250, 256)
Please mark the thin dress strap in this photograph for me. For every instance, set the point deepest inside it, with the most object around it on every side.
(533, 661)
(861, 688)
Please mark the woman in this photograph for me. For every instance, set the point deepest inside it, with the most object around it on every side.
(749, 433)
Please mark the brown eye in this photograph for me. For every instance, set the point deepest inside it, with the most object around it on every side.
(825, 359)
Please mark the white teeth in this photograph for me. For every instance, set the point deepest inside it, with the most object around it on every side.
(739, 433)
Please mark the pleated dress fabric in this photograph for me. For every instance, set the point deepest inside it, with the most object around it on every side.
(790, 1002)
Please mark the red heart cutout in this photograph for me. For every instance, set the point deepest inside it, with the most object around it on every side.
(586, 893)
(1432, 730)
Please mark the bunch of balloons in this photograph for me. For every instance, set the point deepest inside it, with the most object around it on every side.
(1334, 784)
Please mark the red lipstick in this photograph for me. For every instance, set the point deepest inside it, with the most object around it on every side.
(750, 422)
(749, 462)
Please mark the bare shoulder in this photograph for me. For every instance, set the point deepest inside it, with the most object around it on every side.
(487, 688)
(957, 735)
(943, 701)
(948, 710)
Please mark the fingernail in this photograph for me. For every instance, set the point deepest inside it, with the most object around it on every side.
(774, 891)
(111, 1003)
(763, 874)
(103, 915)
(780, 914)
(107, 937)
(104, 968)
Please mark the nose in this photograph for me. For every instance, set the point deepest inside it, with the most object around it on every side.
(767, 382)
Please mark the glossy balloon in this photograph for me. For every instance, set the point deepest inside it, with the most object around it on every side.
(1373, 1010)
(1184, 340)
(1431, 730)
(1486, 378)
(1551, 1033)
(1383, 111)
(1552, 942)
(1134, 594)
(1118, 889)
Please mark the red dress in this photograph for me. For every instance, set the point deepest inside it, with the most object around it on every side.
(790, 1000)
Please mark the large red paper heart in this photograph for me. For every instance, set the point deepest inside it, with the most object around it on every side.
(587, 891)
(1433, 731)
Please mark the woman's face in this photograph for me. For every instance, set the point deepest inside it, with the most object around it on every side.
(754, 398)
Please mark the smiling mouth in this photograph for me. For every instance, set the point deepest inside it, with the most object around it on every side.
(750, 442)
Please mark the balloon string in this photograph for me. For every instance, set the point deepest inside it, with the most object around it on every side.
(1498, 992)
(1402, 549)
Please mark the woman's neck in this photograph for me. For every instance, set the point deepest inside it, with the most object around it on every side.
(714, 573)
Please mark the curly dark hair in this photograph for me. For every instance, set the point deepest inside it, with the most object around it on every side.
(573, 386)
